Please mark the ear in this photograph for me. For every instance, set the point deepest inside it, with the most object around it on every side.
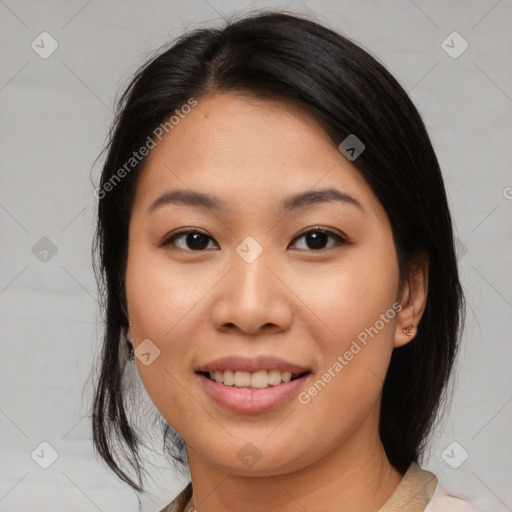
(413, 298)
(129, 333)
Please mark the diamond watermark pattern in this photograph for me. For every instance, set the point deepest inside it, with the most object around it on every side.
(454, 45)
(460, 248)
(44, 455)
(351, 147)
(147, 352)
(44, 250)
(249, 250)
(44, 45)
(249, 454)
(454, 455)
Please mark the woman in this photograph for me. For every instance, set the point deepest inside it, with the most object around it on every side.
(276, 254)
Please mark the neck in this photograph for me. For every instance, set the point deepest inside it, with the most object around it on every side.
(355, 475)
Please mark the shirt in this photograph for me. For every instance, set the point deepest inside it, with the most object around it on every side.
(418, 491)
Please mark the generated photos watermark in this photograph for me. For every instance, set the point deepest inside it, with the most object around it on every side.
(143, 151)
(343, 360)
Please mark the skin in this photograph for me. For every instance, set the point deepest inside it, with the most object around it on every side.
(294, 301)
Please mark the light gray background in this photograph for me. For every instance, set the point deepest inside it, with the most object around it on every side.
(55, 115)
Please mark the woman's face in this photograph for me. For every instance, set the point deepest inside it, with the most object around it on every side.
(251, 283)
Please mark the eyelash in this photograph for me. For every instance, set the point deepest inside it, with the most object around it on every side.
(340, 240)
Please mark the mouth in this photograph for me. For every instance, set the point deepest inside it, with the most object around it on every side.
(252, 384)
(258, 372)
(252, 392)
(261, 379)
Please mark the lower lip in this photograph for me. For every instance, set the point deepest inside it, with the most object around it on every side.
(252, 400)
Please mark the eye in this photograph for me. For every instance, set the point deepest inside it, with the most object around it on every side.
(195, 240)
(317, 238)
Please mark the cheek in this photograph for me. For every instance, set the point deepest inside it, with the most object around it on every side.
(356, 303)
(160, 294)
(350, 295)
(163, 307)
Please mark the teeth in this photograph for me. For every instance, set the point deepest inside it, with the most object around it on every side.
(242, 378)
(261, 379)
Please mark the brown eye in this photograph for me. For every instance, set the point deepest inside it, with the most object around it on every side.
(317, 239)
(194, 240)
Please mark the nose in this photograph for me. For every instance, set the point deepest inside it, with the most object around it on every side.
(253, 297)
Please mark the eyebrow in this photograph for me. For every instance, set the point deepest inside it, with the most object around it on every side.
(293, 202)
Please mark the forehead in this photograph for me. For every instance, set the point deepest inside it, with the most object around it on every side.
(237, 129)
(244, 148)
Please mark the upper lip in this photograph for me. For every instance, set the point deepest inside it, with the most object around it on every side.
(251, 364)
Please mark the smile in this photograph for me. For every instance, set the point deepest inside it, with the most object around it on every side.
(265, 394)
(259, 380)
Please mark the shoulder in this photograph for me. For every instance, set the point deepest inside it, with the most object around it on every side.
(442, 501)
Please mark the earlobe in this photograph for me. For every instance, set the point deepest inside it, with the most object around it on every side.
(410, 331)
(413, 301)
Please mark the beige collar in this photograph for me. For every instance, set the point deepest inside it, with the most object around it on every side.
(413, 492)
